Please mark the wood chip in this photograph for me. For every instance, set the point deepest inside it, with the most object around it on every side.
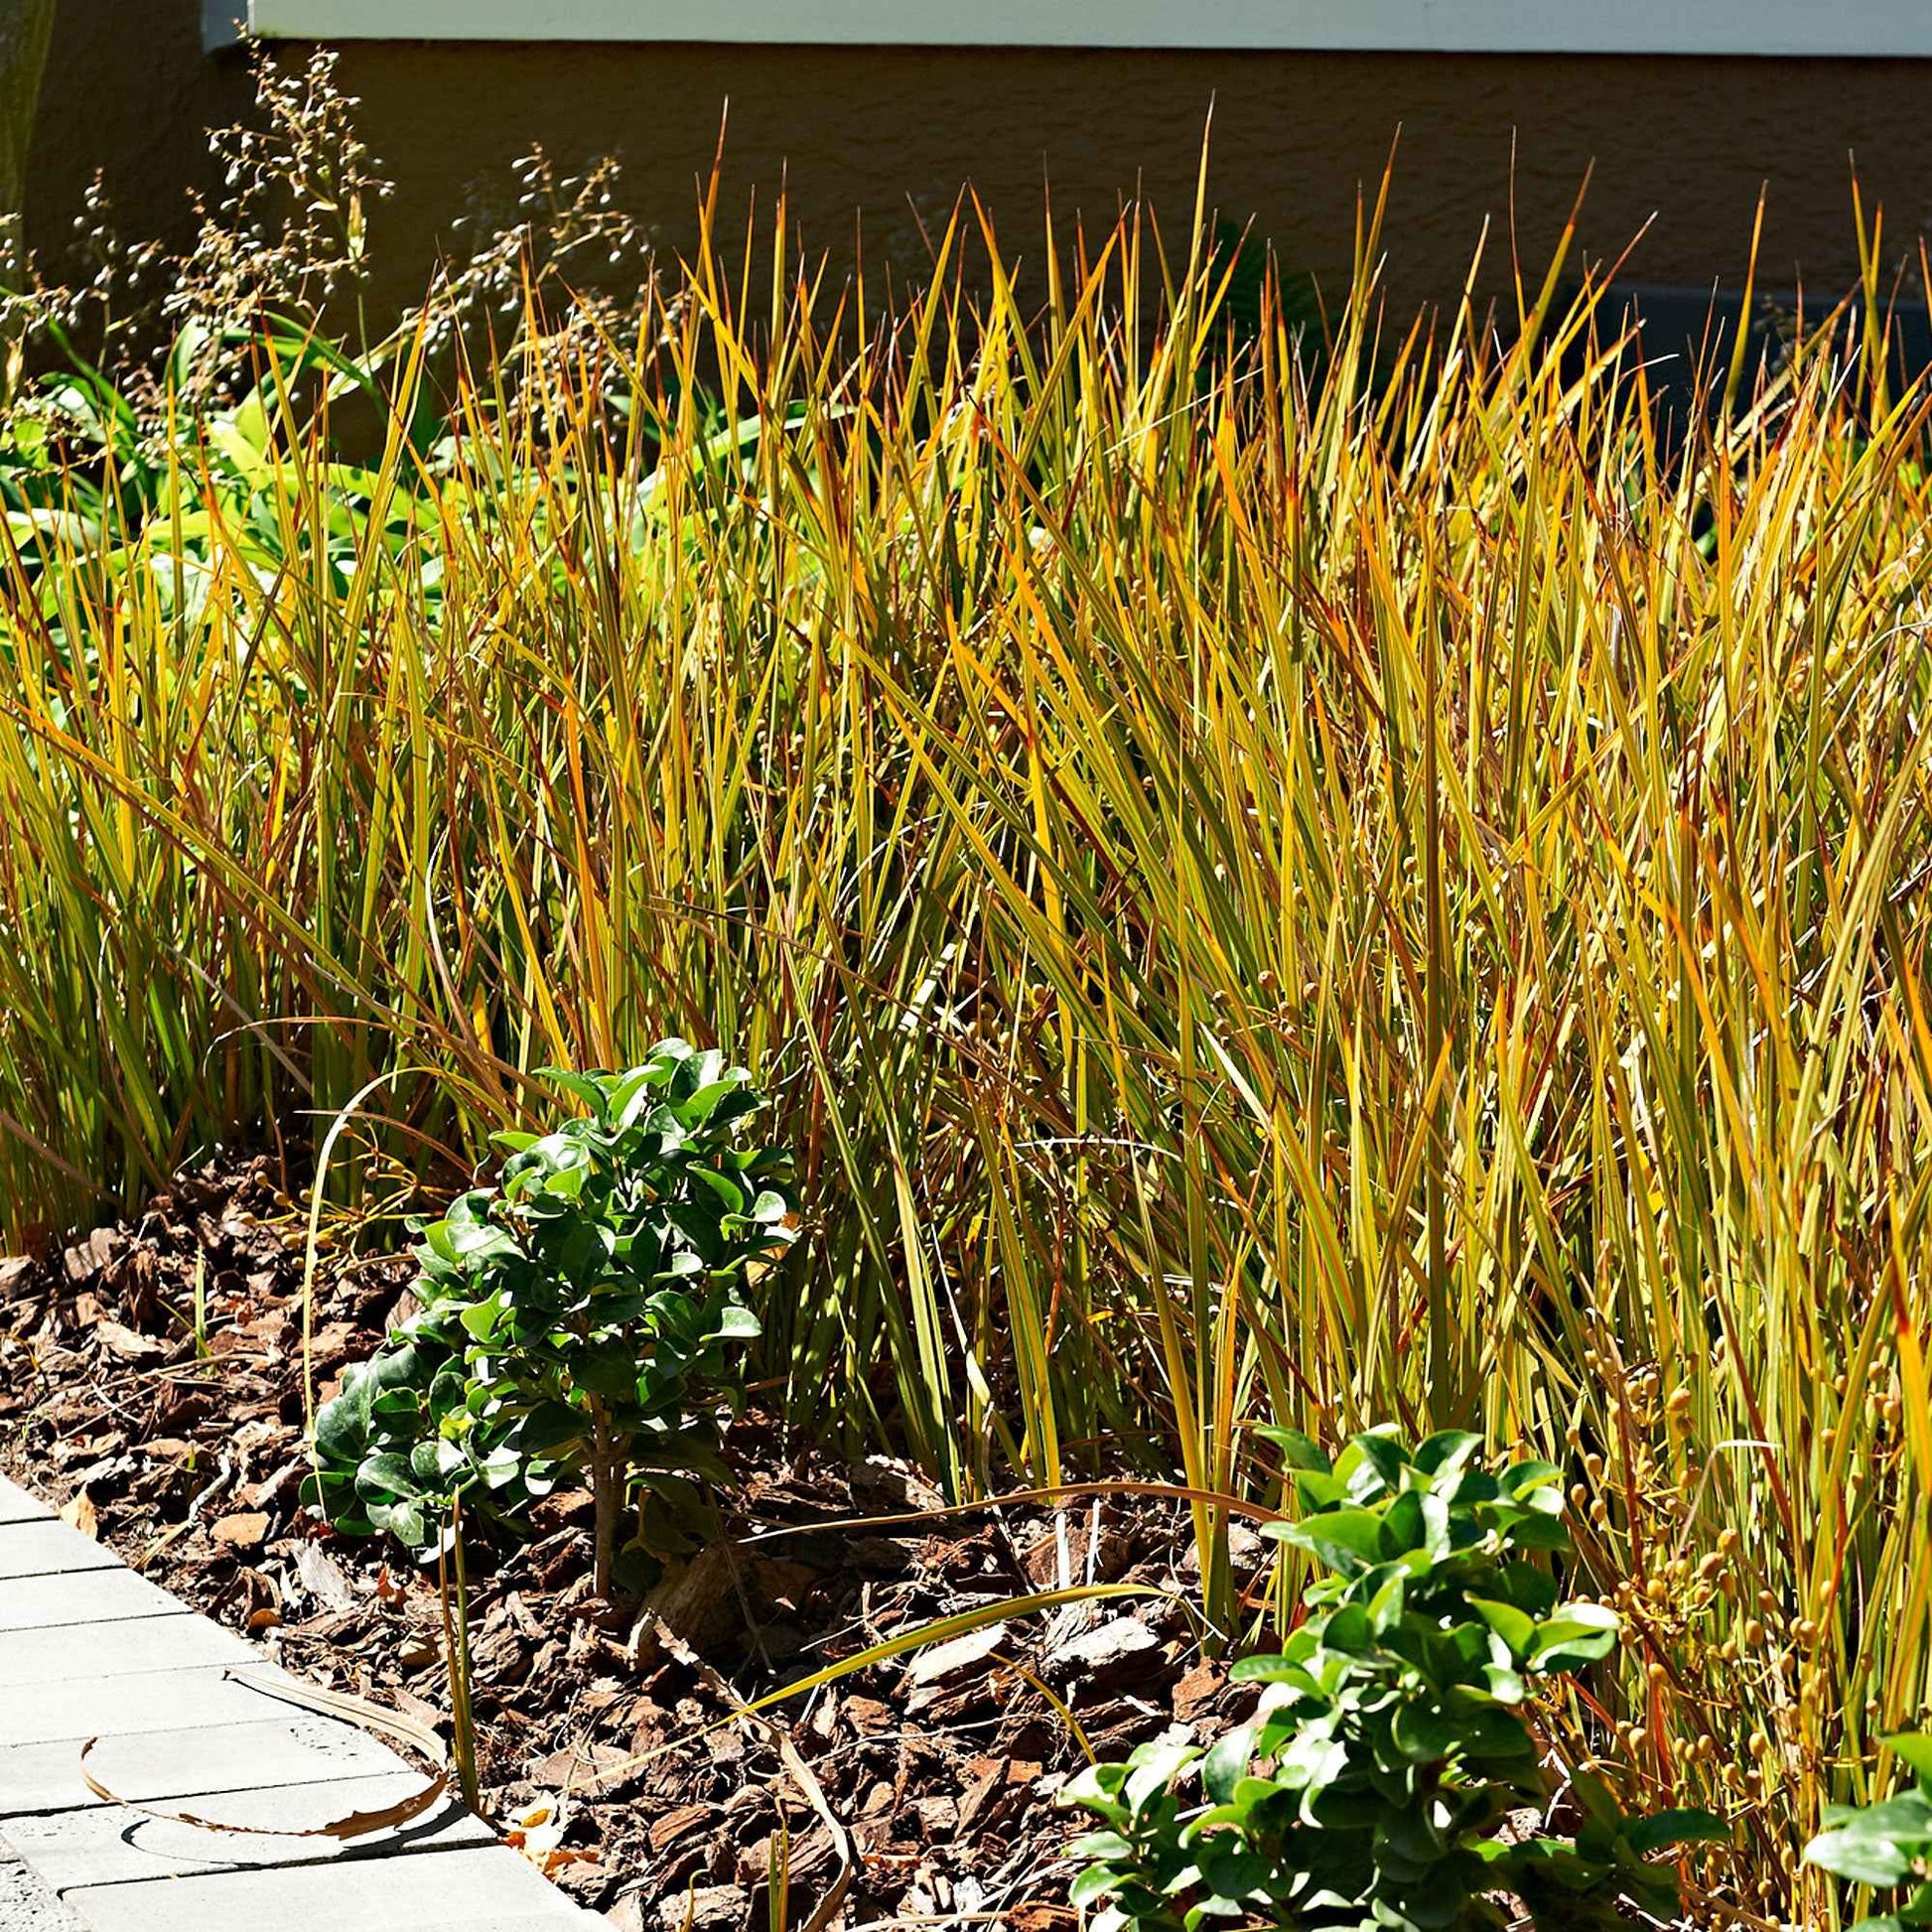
(674, 1825)
(85, 1259)
(124, 1344)
(984, 1776)
(246, 1529)
(593, 1771)
(868, 1717)
(1197, 1690)
(938, 1819)
(1115, 1650)
(710, 1908)
(944, 1662)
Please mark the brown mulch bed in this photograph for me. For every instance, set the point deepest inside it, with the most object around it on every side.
(606, 1743)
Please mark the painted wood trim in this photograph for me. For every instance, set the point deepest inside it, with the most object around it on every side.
(1848, 28)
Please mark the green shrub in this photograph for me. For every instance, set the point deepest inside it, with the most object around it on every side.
(1885, 1844)
(577, 1316)
(1371, 1788)
(404, 1441)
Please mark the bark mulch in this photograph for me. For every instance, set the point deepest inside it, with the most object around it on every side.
(152, 1376)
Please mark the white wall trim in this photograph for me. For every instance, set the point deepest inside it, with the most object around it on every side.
(1868, 28)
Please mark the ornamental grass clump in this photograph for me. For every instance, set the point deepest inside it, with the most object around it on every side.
(582, 1316)
(1391, 1743)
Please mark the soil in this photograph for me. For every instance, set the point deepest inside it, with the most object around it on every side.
(150, 1377)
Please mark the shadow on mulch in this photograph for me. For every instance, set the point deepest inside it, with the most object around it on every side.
(940, 1768)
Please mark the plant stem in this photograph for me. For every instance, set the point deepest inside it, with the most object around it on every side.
(456, 1650)
(606, 1489)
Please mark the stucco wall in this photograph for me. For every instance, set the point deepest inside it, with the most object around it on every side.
(890, 135)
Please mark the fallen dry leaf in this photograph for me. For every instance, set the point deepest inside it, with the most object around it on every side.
(537, 1832)
(78, 1512)
(323, 1578)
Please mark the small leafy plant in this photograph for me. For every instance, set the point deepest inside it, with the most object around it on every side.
(580, 1316)
(1886, 1845)
(1371, 1788)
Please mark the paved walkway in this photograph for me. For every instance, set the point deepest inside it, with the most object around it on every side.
(89, 1649)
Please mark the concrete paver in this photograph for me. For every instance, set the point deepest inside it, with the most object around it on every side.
(120, 1706)
(111, 1847)
(377, 1895)
(152, 1768)
(45, 1546)
(79, 1597)
(89, 1650)
(17, 1506)
(101, 1650)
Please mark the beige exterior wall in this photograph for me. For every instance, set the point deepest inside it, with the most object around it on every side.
(880, 133)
